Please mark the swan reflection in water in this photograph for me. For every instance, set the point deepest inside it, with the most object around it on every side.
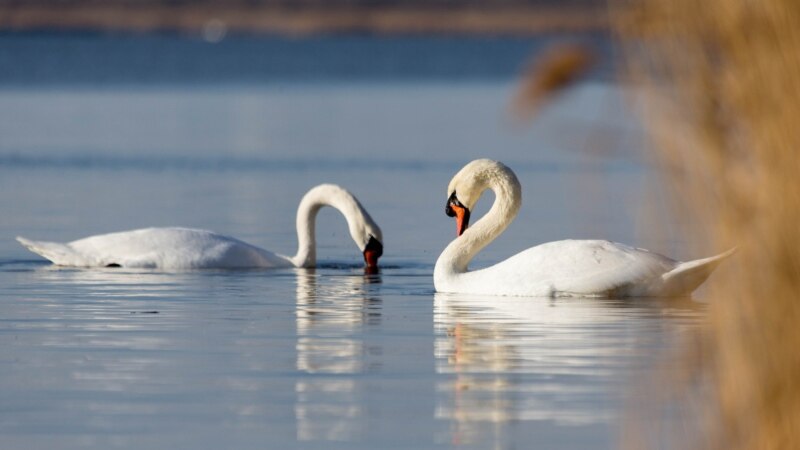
(557, 361)
(331, 313)
(100, 331)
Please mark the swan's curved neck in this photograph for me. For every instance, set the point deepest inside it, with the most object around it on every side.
(508, 199)
(312, 202)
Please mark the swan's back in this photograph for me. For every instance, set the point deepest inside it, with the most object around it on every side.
(574, 268)
(158, 248)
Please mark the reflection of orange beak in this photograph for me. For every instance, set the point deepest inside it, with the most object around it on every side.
(372, 252)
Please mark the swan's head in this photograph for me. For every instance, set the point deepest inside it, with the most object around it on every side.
(365, 233)
(373, 249)
(468, 185)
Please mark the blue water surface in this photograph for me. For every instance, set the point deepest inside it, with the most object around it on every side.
(103, 133)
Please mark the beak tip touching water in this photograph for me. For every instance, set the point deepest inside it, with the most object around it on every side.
(372, 252)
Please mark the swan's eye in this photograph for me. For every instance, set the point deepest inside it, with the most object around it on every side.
(452, 202)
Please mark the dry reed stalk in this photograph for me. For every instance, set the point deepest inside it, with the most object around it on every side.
(557, 68)
(724, 78)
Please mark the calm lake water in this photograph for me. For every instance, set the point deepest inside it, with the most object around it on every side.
(105, 133)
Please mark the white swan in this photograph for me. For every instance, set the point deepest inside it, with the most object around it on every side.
(562, 268)
(184, 248)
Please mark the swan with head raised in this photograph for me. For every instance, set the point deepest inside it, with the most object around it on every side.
(562, 268)
(185, 248)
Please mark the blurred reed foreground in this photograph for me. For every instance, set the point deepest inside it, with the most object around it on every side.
(722, 84)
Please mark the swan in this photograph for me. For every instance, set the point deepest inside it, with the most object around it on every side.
(185, 248)
(594, 268)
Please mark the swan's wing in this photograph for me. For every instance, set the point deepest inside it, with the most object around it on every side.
(173, 248)
(57, 253)
(580, 267)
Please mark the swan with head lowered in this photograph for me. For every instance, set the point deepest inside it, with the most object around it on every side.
(594, 268)
(185, 248)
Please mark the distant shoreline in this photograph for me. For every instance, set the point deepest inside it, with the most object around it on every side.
(214, 21)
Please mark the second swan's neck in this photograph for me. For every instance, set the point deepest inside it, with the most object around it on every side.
(312, 202)
(508, 199)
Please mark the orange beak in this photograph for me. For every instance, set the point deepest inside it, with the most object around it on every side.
(454, 208)
(372, 252)
(462, 220)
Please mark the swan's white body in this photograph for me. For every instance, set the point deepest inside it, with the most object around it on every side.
(184, 248)
(561, 268)
(159, 248)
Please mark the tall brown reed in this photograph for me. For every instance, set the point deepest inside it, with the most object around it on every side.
(722, 79)
(552, 71)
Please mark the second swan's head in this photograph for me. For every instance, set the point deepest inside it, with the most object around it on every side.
(367, 235)
(467, 186)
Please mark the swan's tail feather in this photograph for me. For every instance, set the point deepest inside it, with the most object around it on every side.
(59, 254)
(688, 276)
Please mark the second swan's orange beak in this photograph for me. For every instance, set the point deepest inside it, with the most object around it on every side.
(372, 252)
(454, 208)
